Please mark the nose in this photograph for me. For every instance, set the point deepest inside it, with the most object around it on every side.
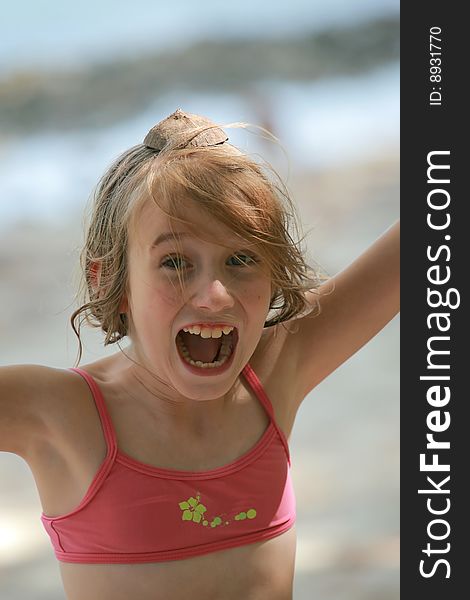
(212, 295)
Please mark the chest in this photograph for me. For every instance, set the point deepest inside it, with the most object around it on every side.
(227, 440)
(63, 475)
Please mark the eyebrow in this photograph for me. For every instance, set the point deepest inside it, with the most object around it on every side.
(163, 237)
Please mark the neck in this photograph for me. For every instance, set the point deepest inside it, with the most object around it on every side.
(139, 383)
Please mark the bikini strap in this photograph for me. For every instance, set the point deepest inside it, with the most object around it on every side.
(257, 387)
(106, 423)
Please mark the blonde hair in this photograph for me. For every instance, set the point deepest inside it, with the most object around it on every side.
(233, 188)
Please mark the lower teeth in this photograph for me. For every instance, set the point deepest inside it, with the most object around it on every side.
(204, 365)
(224, 354)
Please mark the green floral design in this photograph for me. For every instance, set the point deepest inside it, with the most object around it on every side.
(193, 510)
(216, 521)
(249, 514)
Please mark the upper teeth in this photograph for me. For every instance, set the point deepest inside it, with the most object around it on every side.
(207, 332)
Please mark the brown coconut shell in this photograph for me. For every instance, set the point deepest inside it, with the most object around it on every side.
(182, 130)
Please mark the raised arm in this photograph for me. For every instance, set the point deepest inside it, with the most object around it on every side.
(23, 407)
(355, 305)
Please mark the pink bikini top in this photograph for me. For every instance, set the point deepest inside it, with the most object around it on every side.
(136, 513)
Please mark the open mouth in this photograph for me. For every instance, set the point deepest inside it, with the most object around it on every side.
(207, 352)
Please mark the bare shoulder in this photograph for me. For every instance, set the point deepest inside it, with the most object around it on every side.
(275, 361)
(30, 396)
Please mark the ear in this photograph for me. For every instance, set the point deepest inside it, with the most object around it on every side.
(95, 275)
(95, 281)
(124, 305)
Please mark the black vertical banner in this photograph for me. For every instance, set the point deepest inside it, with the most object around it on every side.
(435, 431)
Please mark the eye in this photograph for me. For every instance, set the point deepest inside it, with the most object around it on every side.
(243, 260)
(174, 262)
(177, 262)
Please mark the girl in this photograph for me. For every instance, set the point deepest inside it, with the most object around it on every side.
(164, 469)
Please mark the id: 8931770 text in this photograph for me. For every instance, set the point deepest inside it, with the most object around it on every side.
(435, 68)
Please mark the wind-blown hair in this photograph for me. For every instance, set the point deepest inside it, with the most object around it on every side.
(238, 192)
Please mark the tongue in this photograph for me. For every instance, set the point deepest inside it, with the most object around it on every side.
(203, 349)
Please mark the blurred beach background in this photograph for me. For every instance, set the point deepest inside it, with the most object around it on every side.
(81, 83)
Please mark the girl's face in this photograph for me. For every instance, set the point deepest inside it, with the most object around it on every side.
(227, 285)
